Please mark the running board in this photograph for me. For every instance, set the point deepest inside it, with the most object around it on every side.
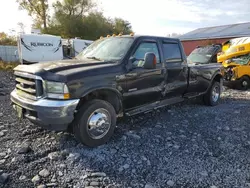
(191, 95)
(154, 106)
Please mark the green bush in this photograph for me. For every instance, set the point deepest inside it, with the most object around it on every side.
(8, 66)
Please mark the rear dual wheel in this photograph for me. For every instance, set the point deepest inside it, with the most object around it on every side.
(212, 97)
(94, 123)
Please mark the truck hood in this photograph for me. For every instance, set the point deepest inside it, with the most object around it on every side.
(232, 64)
(62, 65)
(62, 70)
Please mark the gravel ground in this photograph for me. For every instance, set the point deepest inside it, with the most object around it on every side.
(186, 145)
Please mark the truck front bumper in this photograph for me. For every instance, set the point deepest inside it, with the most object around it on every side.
(49, 114)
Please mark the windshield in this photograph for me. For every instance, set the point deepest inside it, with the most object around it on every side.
(107, 49)
(198, 58)
(242, 60)
(201, 55)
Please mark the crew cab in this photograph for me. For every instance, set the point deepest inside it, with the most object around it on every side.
(113, 77)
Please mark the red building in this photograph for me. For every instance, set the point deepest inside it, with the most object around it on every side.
(213, 35)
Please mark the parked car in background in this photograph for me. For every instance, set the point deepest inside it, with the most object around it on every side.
(72, 47)
(78, 45)
(205, 54)
(34, 48)
(237, 72)
(234, 48)
(236, 59)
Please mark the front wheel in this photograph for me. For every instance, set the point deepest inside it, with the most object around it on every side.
(212, 97)
(95, 123)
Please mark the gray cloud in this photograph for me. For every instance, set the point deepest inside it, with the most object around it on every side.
(220, 12)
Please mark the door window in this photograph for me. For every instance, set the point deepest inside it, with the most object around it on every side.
(144, 48)
(172, 52)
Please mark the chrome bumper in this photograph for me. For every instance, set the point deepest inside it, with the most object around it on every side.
(50, 114)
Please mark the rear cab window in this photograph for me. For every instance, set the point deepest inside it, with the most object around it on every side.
(171, 52)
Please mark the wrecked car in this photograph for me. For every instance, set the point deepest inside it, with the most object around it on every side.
(204, 54)
(237, 72)
(235, 60)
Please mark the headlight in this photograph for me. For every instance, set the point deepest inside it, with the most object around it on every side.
(235, 73)
(57, 90)
(228, 61)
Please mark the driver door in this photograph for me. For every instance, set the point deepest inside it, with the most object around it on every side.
(144, 86)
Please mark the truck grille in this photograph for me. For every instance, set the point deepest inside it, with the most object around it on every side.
(29, 86)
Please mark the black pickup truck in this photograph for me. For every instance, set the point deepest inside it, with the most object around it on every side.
(113, 77)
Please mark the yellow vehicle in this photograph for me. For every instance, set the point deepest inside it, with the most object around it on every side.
(237, 72)
(235, 58)
(234, 48)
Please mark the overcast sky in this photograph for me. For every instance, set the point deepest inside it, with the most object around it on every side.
(153, 17)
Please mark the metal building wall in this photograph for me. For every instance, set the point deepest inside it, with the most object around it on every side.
(9, 53)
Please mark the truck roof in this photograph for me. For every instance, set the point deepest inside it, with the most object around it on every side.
(150, 36)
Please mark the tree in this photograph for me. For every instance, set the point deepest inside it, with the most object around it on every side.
(72, 8)
(122, 26)
(3, 35)
(68, 18)
(96, 25)
(76, 18)
(38, 9)
(7, 40)
(21, 27)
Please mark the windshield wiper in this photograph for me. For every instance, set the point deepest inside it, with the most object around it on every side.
(95, 58)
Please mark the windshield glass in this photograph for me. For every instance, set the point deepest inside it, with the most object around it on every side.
(107, 49)
(201, 55)
(242, 60)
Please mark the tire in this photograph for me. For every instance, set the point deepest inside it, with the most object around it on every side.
(100, 111)
(244, 83)
(211, 98)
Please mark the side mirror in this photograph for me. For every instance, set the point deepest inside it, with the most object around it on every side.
(129, 65)
(150, 61)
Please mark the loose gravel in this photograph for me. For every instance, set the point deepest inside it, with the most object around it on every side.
(187, 145)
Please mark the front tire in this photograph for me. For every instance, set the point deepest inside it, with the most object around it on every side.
(212, 97)
(95, 123)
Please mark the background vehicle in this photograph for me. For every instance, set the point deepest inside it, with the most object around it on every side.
(72, 47)
(236, 63)
(78, 45)
(204, 54)
(114, 76)
(233, 48)
(33, 48)
(237, 72)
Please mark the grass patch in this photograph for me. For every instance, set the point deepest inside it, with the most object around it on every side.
(8, 66)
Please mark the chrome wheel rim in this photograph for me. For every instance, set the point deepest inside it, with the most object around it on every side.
(99, 123)
(215, 93)
(244, 83)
